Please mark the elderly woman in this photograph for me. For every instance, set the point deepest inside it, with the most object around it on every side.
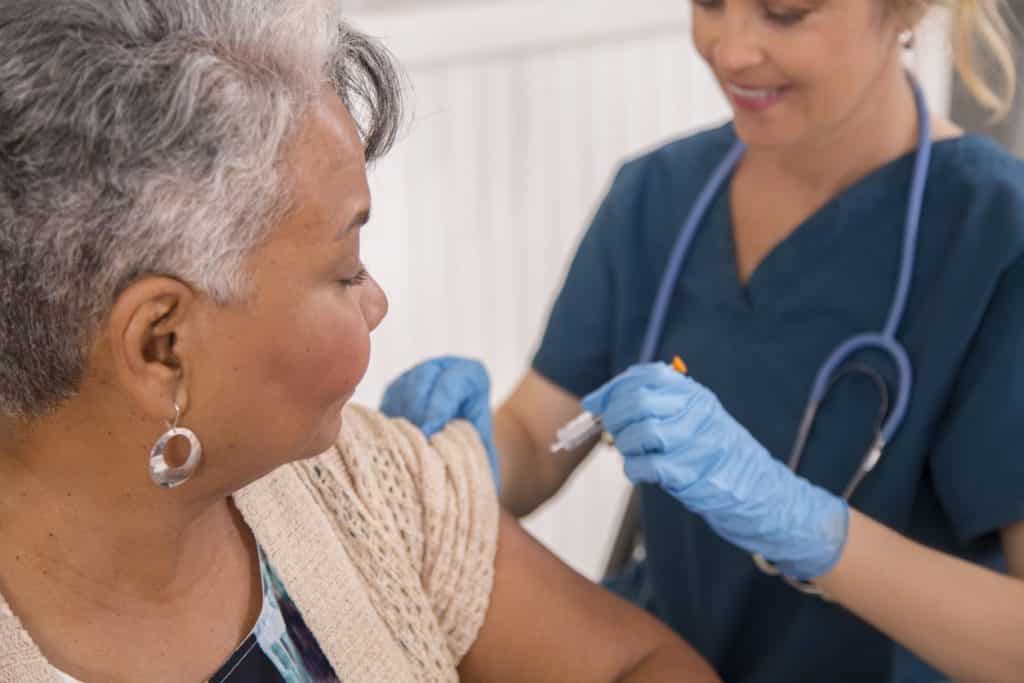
(182, 189)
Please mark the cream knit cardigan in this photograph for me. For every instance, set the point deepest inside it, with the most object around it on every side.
(385, 543)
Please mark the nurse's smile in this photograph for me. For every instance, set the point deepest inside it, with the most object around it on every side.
(754, 99)
(803, 71)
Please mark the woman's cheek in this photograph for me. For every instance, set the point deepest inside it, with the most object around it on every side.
(340, 351)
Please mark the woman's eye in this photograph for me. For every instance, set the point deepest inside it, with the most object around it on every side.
(785, 17)
(359, 278)
(782, 17)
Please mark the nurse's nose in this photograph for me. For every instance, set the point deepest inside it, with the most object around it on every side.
(736, 45)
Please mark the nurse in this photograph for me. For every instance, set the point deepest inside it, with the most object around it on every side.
(801, 248)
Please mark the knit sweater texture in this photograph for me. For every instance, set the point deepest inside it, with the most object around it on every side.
(385, 543)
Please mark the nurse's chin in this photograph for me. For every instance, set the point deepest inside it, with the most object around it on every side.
(765, 134)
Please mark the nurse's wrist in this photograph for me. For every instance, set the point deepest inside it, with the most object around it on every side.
(819, 544)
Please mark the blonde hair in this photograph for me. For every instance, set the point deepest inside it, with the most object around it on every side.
(981, 38)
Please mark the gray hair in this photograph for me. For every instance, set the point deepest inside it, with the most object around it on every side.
(144, 137)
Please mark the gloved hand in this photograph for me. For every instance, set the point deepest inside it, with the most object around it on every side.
(440, 390)
(674, 433)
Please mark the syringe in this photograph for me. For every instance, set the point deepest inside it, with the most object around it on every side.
(577, 432)
(586, 426)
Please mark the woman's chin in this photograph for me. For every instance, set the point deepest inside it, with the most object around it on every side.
(755, 132)
(329, 429)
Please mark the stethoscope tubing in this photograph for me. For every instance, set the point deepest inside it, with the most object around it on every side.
(885, 340)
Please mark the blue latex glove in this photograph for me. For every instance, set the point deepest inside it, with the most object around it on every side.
(440, 390)
(674, 433)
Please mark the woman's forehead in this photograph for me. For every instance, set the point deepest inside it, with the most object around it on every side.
(327, 174)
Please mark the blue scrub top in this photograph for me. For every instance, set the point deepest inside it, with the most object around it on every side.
(953, 475)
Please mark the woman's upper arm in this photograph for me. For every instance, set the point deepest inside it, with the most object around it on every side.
(547, 623)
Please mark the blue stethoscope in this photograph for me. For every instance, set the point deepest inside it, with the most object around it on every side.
(830, 372)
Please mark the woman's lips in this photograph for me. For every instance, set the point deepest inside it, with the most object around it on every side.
(754, 99)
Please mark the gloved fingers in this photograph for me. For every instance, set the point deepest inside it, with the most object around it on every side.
(647, 403)
(443, 407)
(437, 391)
(460, 384)
(461, 391)
(407, 396)
(674, 433)
(646, 436)
(464, 388)
(652, 390)
(627, 383)
(435, 418)
(676, 423)
(433, 393)
(468, 370)
(643, 469)
(477, 409)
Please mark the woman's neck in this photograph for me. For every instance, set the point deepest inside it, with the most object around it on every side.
(881, 128)
(76, 504)
(98, 559)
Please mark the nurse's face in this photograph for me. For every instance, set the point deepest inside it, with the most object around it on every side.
(797, 70)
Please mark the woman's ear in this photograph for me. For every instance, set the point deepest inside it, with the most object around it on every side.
(144, 331)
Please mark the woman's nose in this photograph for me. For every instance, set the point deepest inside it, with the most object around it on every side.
(736, 47)
(374, 302)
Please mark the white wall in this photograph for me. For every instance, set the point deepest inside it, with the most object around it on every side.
(522, 112)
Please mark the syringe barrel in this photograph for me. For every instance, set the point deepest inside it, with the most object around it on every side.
(581, 429)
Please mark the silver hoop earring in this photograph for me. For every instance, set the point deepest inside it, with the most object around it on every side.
(162, 474)
(907, 39)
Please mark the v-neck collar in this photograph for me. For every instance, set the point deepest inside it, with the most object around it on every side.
(808, 247)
